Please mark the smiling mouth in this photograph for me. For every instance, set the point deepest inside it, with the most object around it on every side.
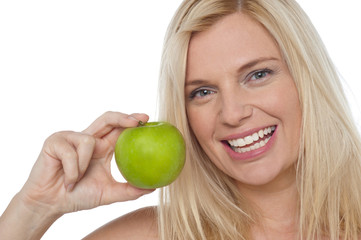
(253, 141)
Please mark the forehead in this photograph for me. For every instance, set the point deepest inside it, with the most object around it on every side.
(232, 41)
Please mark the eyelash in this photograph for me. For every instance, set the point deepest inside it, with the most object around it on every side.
(196, 93)
(265, 72)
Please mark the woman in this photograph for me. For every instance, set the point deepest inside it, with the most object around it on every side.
(321, 205)
(272, 150)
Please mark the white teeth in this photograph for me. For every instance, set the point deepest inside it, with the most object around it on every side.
(238, 144)
(252, 147)
(267, 131)
(248, 139)
(255, 137)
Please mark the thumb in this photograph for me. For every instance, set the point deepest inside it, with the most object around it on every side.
(139, 117)
(121, 192)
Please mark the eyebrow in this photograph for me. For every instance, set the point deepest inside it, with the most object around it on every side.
(255, 62)
(239, 70)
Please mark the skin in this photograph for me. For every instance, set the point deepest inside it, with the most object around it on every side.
(73, 169)
(73, 173)
(237, 82)
(137, 225)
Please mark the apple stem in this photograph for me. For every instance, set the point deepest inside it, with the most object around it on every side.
(141, 123)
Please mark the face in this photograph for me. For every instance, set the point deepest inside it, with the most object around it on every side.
(242, 103)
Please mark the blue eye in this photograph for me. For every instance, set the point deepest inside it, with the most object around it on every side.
(260, 74)
(201, 93)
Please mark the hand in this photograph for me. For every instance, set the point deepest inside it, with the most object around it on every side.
(73, 169)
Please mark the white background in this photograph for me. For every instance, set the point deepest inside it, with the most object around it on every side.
(64, 63)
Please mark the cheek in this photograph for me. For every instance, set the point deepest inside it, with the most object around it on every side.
(195, 119)
(284, 103)
(286, 106)
(291, 108)
(200, 123)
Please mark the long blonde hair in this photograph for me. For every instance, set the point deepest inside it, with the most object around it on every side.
(204, 203)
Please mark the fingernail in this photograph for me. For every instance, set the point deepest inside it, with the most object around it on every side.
(149, 191)
(140, 123)
(133, 118)
(70, 187)
(143, 191)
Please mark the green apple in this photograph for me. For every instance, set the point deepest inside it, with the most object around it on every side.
(151, 155)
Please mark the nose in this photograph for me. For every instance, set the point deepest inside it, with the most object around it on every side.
(234, 108)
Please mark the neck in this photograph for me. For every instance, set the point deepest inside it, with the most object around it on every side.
(277, 205)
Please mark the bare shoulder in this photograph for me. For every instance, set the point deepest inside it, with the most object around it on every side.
(138, 225)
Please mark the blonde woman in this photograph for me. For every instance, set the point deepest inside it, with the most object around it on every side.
(272, 151)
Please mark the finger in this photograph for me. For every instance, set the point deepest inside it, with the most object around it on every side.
(114, 134)
(140, 117)
(110, 120)
(85, 145)
(120, 192)
(63, 150)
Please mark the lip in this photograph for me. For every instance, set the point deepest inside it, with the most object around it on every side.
(245, 133)
(253, 154)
